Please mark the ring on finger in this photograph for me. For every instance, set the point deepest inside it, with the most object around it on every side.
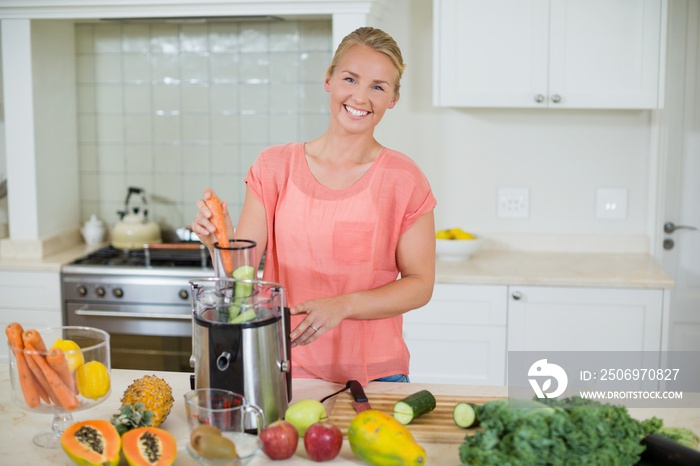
(313, 328)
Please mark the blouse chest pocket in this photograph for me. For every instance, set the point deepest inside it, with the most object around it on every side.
(353, 242)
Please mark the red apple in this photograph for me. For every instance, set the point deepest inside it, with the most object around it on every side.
(323, 441)
(280, 440)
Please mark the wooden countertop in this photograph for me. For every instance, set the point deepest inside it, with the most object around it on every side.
(16, 445)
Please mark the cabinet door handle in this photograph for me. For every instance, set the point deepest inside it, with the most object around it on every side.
(556, 98)
(517, 295)
(539, 98)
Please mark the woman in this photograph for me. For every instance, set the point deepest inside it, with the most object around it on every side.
(342, 217)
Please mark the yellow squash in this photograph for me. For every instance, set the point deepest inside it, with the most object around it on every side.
(380, 440)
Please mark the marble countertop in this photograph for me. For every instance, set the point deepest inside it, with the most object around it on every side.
(16, 445)
(486, 267)
(555, 269)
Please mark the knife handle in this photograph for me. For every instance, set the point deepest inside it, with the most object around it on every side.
(358, 393)
(661, 450)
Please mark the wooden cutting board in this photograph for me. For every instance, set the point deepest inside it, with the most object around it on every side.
(436, 426)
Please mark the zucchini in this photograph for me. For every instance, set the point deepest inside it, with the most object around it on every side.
(464, 415)
(413, 406)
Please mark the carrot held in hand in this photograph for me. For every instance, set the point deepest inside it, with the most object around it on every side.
(219, 221)
(58, 362)
(65, 395)
(26, 379)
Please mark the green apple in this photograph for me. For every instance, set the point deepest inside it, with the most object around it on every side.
(303, 413)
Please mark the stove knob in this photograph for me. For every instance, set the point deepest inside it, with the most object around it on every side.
(82, 291)
(100, 291)
(183, 294)
(118, 292)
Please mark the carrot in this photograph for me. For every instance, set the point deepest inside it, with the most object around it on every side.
(26, 379)
(58, 362)
(217, 218)
(65, 395)
(48, 394)
(34, 337)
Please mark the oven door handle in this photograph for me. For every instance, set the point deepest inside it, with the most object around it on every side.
(85, 311)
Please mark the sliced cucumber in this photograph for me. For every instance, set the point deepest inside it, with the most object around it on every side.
(464, 415)
(243, 289)
(244, 316)
(413, 406)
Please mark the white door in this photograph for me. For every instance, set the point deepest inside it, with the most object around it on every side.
(680, 184)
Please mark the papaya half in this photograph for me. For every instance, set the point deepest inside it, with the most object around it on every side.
(94, 442)
(149, 446)
(380, 440)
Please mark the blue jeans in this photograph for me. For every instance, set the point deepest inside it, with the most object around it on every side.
(393, 378)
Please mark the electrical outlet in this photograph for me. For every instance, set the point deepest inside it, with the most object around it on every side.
(513, 202)
(611, 203)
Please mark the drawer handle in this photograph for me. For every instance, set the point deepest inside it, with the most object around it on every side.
(517, 295)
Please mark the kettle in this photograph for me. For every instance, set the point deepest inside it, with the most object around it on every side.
(134, 228)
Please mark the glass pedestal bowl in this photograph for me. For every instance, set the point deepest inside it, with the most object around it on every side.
(58, 370)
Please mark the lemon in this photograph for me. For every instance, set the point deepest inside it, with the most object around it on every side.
(464, 235)
(92, 379)
(458, 233)
(72, 351)
(443, 234)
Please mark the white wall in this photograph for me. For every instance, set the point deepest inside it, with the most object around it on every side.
(561, 156)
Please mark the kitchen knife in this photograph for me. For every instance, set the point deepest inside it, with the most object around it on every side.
(360, 403)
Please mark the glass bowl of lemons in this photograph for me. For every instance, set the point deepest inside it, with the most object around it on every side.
(455, 244)
(58, 370)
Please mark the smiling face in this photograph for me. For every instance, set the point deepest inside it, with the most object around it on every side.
(362, 89)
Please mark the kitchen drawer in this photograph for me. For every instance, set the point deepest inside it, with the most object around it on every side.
(463, 304)
(30, 290)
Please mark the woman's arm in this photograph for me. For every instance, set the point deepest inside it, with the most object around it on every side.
(415, 255)
(252, 224)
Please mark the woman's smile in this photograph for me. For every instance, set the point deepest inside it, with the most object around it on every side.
(355, 112)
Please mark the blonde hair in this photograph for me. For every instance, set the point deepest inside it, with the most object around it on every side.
(378, 41)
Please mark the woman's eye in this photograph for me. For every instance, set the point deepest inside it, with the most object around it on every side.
(379, 88)
(349, 79)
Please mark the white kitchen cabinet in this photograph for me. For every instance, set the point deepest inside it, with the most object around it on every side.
(548, 53)
(31, 298)
(460, 336)
(464, 333)
(544, 318)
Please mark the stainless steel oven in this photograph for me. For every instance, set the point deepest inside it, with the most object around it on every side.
(141, 298)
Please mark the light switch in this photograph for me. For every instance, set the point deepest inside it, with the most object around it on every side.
(611, 203)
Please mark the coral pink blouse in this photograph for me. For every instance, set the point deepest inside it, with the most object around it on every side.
(324, 242)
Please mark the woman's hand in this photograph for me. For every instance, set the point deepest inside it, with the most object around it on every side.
(322, 315)
(203, 227)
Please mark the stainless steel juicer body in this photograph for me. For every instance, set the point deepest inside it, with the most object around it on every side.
(251, 358)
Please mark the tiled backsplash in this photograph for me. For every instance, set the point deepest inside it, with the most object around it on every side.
(174, 108)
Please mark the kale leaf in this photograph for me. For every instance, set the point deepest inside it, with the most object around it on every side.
(572, 431)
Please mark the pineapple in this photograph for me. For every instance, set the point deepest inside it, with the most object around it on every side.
(146, 402)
